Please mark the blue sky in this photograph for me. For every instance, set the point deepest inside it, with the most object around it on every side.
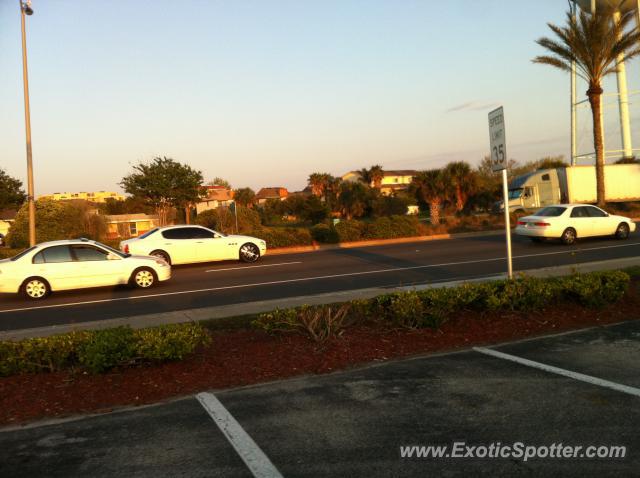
(265, 92)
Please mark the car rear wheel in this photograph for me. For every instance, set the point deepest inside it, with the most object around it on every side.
(622, 231)
(35, 288)
(162, 255)
(249, 253)
(568, 236)
(143, 278)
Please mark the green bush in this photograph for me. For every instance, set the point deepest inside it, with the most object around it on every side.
(350, 230)
(393, 227)
(99, 351)
(432, 307)
(169, 342)
(223, 220)
(284, 237)
(106, 349)
(596, 289)
(324, 233)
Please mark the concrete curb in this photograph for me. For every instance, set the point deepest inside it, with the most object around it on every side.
(377, 242)
(250, 308)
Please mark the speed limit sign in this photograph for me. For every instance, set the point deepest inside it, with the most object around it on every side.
(497, 140)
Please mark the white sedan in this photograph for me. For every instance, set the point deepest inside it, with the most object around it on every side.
(569, 222)
(187, 244)
(76, 264)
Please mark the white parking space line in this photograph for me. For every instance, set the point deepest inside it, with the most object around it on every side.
(254, 267)
(255, 459)
(300, 279)
(560, 371)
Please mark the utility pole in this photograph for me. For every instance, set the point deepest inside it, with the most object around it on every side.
(25, 9)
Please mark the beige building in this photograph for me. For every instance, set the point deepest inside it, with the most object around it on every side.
(7, 217)
(129, 225)
(99, 196)
(398, 180)
(216, 196)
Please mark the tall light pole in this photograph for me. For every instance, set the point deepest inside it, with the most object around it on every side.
(25, 9)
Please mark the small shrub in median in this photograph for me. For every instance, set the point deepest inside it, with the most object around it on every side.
(99, 351)
(284, 236)
(325, 233)
(318, 322)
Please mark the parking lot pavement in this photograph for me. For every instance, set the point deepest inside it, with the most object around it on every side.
(354, 423)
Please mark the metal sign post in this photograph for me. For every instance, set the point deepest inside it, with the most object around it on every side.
(497, 141)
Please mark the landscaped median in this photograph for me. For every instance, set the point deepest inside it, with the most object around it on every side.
(97, 370)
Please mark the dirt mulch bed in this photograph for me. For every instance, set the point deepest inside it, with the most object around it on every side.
(243, 357)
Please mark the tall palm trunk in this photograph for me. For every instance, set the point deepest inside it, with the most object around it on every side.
(459, 198)
(434, 211)
(595, 95)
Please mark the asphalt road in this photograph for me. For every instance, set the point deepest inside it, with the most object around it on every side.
(354, 423)
(282, 276)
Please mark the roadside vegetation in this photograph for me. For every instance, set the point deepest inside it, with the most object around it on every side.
(103, 350)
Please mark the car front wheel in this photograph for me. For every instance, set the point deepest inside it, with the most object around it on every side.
(143, 278)
(249, 253)
(35, 288)
(622, 231)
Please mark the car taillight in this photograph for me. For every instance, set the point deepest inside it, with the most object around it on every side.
(521, 223)
(126, 249)
(542, 224)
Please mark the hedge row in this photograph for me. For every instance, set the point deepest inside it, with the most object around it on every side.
(390, 227)
(284, 236)
(432, 307)
(101, 350)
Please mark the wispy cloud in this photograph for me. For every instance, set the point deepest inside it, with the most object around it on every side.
(473, 106)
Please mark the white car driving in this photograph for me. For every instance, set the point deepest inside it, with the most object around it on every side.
(187, 244)
(569, 222)
(77, 264)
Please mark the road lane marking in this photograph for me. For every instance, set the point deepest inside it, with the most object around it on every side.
(560, 371)
(301, 279)
(254, 267)
(255, 459)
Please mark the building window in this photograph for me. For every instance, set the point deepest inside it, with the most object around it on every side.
(133, 228)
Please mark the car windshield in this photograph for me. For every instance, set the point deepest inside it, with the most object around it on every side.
(112, 250)
(515, 193)
(26, 251)
(148, 233)
(551, 211)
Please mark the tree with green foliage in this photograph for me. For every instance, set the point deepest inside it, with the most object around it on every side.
(220, 182)
(319, 183)
(594, 43)
(11, 193)
(223, 220)
(245, 197)
(164, 184)
(354, 199)
(57, 220)
(433, 187)
(463, 180)
(372, 176)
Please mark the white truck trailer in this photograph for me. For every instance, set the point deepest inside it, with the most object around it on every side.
(573, 184)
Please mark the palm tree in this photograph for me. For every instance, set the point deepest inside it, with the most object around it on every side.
(319, 183)
(353, 199)
(244, 197)
(432, 186)
(595, 43)
(376, 173)
(463, 180)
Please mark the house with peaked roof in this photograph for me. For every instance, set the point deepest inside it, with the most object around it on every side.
(392, 181)
(129, 225)
(271, 193)
(216, 196)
